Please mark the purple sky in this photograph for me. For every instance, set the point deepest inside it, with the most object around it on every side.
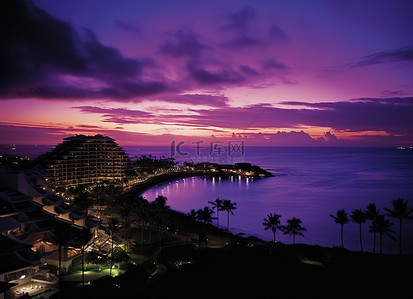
(147, 72)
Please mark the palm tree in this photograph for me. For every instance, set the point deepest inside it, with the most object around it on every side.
(61, 237)
(359, 217)
(83, 201)
(272, 221)
(400, 211)
(294, 227)
(216, 205)
(341, 218)
(160, 204)
(371, 213)
(193, 214)
(125, 213)
(81, 241)
(112, 227)
(138, 206)
(382, 226)
(229, 207)
(205, 216)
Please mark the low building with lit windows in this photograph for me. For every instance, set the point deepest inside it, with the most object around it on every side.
(31, 217)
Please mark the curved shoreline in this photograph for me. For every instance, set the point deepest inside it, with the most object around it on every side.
(139, 188)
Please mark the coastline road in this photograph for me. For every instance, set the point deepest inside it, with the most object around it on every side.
(139, 188)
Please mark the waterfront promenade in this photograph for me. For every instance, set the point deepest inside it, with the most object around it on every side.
(140, 187)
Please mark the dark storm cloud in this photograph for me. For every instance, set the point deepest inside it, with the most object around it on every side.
(32, 41)
(272, 64)
(277, 33)
(127, 89)
(128, 28)
(107, 62)
(198, 99)
(36, 49)
(243, 41)
(188, 99)
(240, 19)
(403, 54)
(239, 23)
(204, 77)
(183, 45)
(118, 115)
(391, 115)
(248, 70)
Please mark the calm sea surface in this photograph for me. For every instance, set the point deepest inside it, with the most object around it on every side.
(310, 184)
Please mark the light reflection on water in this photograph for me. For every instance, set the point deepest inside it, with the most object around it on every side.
(313, 184)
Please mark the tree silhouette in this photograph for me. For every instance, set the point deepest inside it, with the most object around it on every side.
(113, 228)
(131, 204)
(192, 213)
(205, 216)
(83, 201)
(359, 217)
(400, 211)
(125, 211)
(61, 237)
(272, 221)
(371, 213)
(341, 218)
(229, 207)
(82, 240)
(160, 202)
(160, 205)
(141, 208)
(382, 226)
(216, 205)
(294, 228)
(120, 255)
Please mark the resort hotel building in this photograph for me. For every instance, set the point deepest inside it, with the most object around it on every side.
(33, 221)
(84, 159)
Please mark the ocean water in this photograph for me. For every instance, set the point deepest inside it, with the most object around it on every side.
(310, 183)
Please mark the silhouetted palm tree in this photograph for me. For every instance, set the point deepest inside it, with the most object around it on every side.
(61, 237)
(82, 240)
(229, 207)
(160, 204)
(192, 213)
(382, 226)
(83, 201)
(359, 217)
(371, 213)
(125, 213)
(138, 205)
(400, 211)
(113, 228)
(294, 227)
(216, 205)
(341, 218)
(205, 216)
(272, 222)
